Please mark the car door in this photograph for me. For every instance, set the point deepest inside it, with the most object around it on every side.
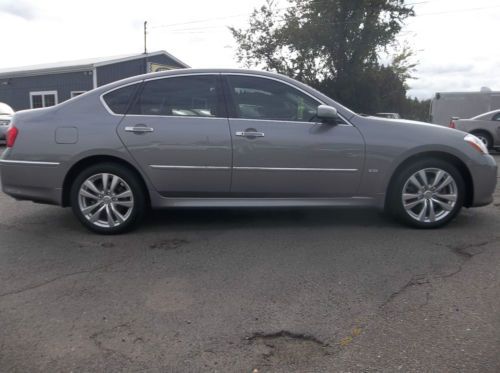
(496, 129)
(280, 150)
(178, 132)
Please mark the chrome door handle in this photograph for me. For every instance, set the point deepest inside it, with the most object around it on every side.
(250, 134)
(138, 129)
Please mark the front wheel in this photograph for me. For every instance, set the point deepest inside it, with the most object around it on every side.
(427, 194)
(107, 198)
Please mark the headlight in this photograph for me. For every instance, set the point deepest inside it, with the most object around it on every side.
(476, 143)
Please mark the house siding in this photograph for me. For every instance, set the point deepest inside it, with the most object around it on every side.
(15, 90)
(121, 70)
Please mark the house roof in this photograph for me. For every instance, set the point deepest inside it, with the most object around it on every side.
(78, 65)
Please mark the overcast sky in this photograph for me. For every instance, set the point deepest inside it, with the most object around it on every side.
(455, 40)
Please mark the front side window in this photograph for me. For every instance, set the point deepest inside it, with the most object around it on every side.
(43, 99)
(496, 117)
(193, 96)
(266, 99)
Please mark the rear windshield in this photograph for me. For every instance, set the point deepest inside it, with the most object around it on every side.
(118, 100)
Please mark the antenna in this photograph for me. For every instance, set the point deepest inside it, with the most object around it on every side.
(145, 36)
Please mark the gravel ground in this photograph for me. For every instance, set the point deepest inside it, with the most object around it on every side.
(306, 290)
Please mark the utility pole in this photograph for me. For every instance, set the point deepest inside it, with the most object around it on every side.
(145, 36)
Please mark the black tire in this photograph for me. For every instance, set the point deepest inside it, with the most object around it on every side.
(402, 179)
(128, 181)
(485, 137)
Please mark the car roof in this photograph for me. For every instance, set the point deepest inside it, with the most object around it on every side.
(486, 115)
(5, 109)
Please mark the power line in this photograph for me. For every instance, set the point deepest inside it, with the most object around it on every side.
(248, 14)
(204, 28)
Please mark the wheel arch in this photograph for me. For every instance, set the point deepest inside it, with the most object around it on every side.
(457, 162)
(92, 160)
(485, 131)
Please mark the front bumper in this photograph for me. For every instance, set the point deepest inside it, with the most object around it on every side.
(484, 178)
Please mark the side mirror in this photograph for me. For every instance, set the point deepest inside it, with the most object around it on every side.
(327, 113)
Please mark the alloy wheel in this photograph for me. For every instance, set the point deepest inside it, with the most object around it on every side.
(105, 200)
(430, 195)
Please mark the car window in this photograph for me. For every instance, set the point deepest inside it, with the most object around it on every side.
(496, 117)
(194, 96)
(266, 99)
(119, 99)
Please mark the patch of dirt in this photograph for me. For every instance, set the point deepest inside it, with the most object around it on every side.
(285, 348)
(168, 244)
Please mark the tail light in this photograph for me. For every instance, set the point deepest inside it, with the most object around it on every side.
(452, 124)
(12, 133)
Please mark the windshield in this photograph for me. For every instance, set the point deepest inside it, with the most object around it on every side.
(6, 109)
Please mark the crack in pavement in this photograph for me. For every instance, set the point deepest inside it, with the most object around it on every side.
(461, 250)
(286, 334)
(57, 278)
(414, 281)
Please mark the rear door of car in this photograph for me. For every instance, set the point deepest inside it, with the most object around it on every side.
(496, 129)
(177, 130)
(281, 149)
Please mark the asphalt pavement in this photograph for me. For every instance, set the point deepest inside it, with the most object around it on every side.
(295, 290)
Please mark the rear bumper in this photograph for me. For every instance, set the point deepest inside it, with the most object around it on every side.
(33, 182)
(484, 177)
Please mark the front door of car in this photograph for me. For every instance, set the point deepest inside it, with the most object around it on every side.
(178, 132)
(280, 149)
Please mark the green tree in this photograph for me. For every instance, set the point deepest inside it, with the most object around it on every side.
(333, 45)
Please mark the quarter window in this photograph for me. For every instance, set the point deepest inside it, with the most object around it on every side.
(266, 99)
(185, 96)
(43, 99)
(119, 99)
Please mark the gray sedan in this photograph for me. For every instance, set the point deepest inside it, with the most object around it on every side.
(485, 126)
(235, 138)
(6, 114)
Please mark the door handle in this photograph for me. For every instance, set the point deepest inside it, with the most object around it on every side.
(139, 129)
(250, 134)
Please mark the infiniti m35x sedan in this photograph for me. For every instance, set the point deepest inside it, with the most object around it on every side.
(235, 138)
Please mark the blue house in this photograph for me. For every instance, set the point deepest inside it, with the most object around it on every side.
(46, 85)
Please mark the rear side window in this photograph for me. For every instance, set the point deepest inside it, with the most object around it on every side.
(119, 99)
(193, 96)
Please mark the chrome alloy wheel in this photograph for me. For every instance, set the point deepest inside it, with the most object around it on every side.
(106, 200)
(430, 195)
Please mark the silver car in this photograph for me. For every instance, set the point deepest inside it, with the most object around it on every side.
(6, 114)
(485, 126)
(235, 138)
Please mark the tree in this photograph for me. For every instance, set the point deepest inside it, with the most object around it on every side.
(333, 45)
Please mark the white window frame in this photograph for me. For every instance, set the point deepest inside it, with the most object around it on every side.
(76, 93)
(43, 94)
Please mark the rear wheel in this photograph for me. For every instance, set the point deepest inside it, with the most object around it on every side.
(427, 194)
(108, 198)
(485, 138)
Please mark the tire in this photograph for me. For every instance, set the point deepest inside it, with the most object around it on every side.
(111, 204)
(485, 137)
(442, 195)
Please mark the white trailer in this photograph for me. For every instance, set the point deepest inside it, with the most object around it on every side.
(465, 105)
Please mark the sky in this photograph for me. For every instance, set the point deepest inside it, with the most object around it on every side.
(454, 40)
